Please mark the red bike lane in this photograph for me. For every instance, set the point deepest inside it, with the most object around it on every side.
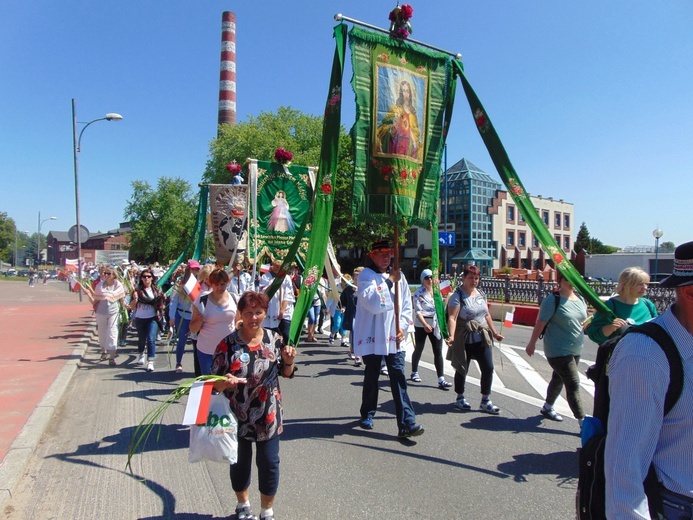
(40, 327)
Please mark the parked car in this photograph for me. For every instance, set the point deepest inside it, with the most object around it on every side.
(23, 272)
(11, 272)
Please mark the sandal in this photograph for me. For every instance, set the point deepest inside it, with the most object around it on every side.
(415, 377)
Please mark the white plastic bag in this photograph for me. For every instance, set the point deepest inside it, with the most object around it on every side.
(217, 440)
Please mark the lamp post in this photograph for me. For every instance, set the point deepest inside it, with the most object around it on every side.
(38, 238)
(657, 234)
(76, 142)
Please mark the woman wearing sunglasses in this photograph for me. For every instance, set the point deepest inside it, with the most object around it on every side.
(148, 302)
(106, 298)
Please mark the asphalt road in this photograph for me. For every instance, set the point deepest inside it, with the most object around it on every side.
(467, 465)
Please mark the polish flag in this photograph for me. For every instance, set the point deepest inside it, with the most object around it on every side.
(198, 403)
(264, 268)
(192, 287)
(509, 317)
(445, 288)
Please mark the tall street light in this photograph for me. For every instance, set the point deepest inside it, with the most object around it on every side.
(657, 233)
(76, 141)
(38, 238)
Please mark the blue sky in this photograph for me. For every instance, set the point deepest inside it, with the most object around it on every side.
(593, 100)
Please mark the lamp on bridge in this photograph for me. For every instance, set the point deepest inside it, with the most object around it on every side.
(657, 233)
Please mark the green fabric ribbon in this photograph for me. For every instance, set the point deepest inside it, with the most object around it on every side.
(521, 197)
(324, 192)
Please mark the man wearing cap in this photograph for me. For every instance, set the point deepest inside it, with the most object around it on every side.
(240, 281)
(378, 334)
(639, 435)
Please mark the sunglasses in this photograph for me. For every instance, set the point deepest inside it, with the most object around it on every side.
(428, 278)
(108, 274)
(146, 276)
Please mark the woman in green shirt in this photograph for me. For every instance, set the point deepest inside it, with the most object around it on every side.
(563, 340)
(629, 305)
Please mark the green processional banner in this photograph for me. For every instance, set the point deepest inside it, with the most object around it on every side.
(402, 91)
(324, 192)
(521, 197)
(284, 195)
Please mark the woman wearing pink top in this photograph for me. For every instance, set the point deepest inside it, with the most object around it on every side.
(213, 318)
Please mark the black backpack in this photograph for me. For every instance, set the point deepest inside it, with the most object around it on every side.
(557, 301)
(591, 489)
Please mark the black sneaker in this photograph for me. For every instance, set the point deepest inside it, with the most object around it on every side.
(411, 431)
(551, 414)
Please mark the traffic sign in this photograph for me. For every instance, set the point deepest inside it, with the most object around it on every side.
(446, 238)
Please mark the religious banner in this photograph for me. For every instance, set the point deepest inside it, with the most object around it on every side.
(229, 211)
(284, 196)
(521, 197)
(402, 94)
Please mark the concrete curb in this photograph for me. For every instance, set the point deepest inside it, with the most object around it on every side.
(19, 453)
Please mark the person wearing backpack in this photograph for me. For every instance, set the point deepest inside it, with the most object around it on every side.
(640, 433)
(560, 323)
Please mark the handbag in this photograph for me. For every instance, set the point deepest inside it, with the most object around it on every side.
(217, 439)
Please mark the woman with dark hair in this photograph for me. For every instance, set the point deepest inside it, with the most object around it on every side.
(471, 337)
(562, 317)
(213, 318)
(252, 359)
(148, 302)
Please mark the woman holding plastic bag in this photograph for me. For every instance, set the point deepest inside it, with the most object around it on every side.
(252, 359)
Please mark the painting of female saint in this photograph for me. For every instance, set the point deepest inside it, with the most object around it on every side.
(399, 113)
(280, 219)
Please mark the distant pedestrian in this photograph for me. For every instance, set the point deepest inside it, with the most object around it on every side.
(378, 335)
(106, 298)
(348, 300)
(180, 311)
(563, 319)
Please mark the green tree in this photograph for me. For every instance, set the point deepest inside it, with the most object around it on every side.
(582, 240)
(7, 235)
(301, 134)
(667, 247)
(162, 219)
(593, 246)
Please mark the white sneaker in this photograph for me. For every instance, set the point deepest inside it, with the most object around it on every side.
(142, 359)
(150, 366)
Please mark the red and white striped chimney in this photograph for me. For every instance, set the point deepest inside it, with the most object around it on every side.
(227, 75)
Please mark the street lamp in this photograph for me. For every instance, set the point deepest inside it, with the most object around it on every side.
(76, 142)
(657, 233)
(38, 238)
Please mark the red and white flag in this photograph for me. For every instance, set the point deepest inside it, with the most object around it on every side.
(445, 288)
(198, 402)
(509, 317)
(264, 268)
(192, 287)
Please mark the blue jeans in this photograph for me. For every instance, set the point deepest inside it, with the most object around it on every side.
(266, 460)
(147, 329)
(675, 506)
(404, 410)
(205, 362)
(313, 314)
(182, 328)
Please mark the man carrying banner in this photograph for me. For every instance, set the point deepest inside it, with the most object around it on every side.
(281, 306)
(378, 334)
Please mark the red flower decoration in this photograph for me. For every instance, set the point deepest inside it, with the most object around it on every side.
(407, 11)
(558, 258)
(516, 190)
(270, 418)
(414, 174)
(236, 365)
(326, 188)
(283, 156)
(310, 280)
(403, 174)
(222, 347)
(233, 167)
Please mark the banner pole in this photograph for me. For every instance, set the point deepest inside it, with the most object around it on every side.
(396, 268)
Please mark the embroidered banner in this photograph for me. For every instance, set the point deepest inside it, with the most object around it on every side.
(284, 195)
(402, 93)
(229, 211)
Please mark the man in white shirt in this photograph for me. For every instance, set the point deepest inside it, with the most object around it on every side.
(281, 306)
(240, 280)
(378, 335)
(638, 432)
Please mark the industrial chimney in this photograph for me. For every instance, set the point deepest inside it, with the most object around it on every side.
(227, 75)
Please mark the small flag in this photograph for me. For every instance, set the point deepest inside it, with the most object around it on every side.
(509, 317)
(192, 287)
(445, 288)
(264, 268)
(198, 402)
